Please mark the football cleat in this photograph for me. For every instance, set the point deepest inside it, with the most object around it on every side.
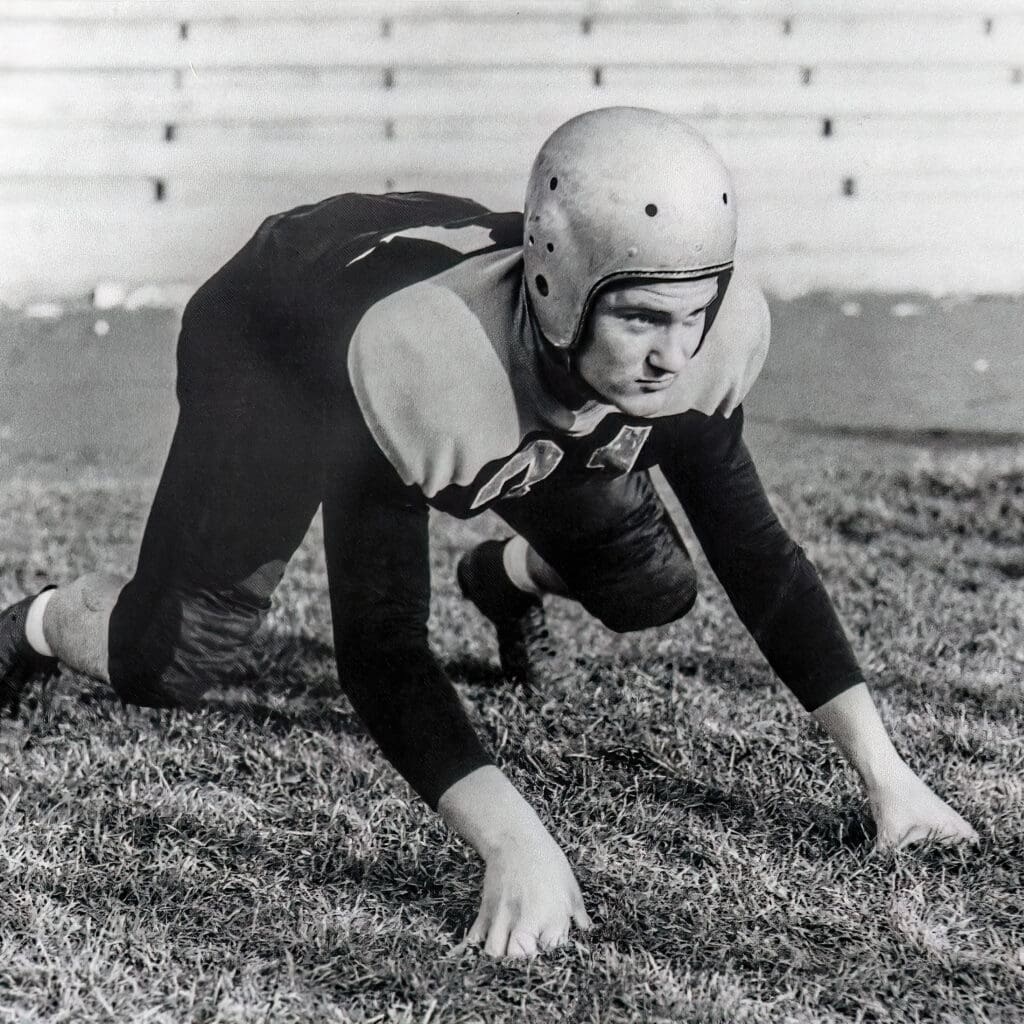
(20, 665)
(524, 647)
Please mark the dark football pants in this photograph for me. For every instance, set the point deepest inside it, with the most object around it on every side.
(240, 486)
(259, 445)
(614, 545)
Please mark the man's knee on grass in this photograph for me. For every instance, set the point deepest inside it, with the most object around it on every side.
(653, 595)
(183, 643)
(76, 622)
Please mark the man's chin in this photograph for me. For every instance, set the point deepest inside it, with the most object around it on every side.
(644, 404)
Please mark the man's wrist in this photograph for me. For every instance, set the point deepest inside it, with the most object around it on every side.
(488, 812)
(853, 722)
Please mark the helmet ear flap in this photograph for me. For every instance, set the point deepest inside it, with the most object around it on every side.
(712, 311)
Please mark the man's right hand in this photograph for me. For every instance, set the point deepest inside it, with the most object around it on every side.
(530, 896)
(530, 899)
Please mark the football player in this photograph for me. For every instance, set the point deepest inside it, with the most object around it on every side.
(384, 355)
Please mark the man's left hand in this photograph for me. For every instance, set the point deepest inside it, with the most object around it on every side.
(907, 810)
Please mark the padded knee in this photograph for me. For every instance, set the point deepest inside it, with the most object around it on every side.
(646, 599)
(186, 643)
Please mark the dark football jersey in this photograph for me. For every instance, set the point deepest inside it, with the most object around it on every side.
(409, 311)
(421, 298)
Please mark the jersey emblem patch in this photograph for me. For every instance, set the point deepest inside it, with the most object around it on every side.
(621, 452)
(539, 460)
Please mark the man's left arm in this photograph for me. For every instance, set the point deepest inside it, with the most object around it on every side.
(780, 598)
(774, 588)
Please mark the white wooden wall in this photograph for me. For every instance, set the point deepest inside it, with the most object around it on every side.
(875, 143)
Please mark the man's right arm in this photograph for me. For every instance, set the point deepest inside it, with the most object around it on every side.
(375, 530)
(376, 537)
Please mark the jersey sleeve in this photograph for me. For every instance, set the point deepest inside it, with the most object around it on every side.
(774, 588)
(375, 533)
(432, 390)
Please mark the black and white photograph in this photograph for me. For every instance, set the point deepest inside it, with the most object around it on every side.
(512, 510)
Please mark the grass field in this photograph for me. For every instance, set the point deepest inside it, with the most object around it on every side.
(258, 861)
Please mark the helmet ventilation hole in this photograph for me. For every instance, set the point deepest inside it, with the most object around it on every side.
(542, 284)
(651, 210)
(554, 184)
(531, 239)
(725, 198)
(551, 246)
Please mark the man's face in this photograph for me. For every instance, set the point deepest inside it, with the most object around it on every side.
(640, 338)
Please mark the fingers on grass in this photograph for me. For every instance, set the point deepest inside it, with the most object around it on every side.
(503, 935)
(960, 833)
(920, 834)
(478, 931)
(582, 920)
(962, 829)
(497, 935)
(522, 942)
(552, 938)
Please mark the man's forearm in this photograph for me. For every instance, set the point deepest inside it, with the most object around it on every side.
(378, 560)
(415, 715)
(775, 590)
(853, 722)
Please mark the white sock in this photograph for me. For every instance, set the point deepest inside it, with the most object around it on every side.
(34, 624)
(513, 558)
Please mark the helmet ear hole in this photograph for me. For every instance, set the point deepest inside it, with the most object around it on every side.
(551, 246)
(553, 184)
(725, 198)
(542, 284)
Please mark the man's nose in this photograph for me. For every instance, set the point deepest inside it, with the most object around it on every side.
(675, 348)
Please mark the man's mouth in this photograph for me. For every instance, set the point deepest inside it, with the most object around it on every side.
(655, 385)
